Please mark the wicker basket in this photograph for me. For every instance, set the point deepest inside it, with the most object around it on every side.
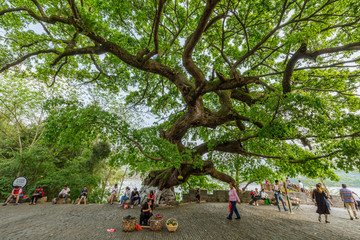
(156, 224)
(172, 228)
(128, 225)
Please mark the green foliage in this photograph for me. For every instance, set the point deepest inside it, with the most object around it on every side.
(311, 130)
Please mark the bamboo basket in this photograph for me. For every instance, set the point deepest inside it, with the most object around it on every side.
(172, 228)
(128, 225)
(156, 224)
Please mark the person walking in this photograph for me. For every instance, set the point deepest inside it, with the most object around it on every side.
(319, 198)
(278, 197)
(357, 199)
(233, 198)
(198, 195)
(349, 201)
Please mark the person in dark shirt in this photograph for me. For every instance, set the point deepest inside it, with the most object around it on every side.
(319, 198)
(135, 196)
(83, 195)
(198, 195)
(146, 212)
(38, 193)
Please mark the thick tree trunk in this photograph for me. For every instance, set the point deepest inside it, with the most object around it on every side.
(162, 182)
(165, 196)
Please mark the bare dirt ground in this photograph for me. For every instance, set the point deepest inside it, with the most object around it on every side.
(196, 221)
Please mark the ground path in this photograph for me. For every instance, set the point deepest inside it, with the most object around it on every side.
(197, 221)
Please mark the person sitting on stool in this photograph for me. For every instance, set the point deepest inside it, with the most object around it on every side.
(39, 192)
(16, 193)
(146, 212)
(65, 193)
(135, 196)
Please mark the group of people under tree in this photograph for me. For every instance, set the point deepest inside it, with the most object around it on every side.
(65, 193)
(318, 195)
(256, 195)
(322, 201)
(134, 196)
(17, 193)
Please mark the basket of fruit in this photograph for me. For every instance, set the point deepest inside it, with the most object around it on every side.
(156, 222)
(128, 224)
(172, 224)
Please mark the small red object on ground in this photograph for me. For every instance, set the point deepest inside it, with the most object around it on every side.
(138, 227)
(111, 230)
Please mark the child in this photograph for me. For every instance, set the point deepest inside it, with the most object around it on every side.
(83, 195)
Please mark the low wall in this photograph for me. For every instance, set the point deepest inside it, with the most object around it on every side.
(217, 196)
(223, 196)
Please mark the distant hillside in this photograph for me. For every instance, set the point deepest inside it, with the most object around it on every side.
(352, 179)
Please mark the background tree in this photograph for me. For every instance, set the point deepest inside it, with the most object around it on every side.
(25, 149)
(273, 81)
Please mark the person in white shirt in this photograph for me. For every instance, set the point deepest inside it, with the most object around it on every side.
(114, 192)
(65, 193)
(263, 195)
(301, 186)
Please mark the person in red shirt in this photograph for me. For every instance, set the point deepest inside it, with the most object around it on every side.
(152, 196)
(16, 192)
(39, 193)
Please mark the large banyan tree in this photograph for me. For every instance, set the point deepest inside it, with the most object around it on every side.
(255, 84)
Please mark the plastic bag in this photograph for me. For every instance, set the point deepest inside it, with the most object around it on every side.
(138, 227)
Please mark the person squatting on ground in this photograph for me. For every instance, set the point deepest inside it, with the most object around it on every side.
(146, 212)
(126, 196)
(349, 201)
(15, 193)
(278, 197)
(38, 193)
(83, 195)
(319, 197)
(114, 192)
(233, 198)
(135, 196)
(65, 193)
